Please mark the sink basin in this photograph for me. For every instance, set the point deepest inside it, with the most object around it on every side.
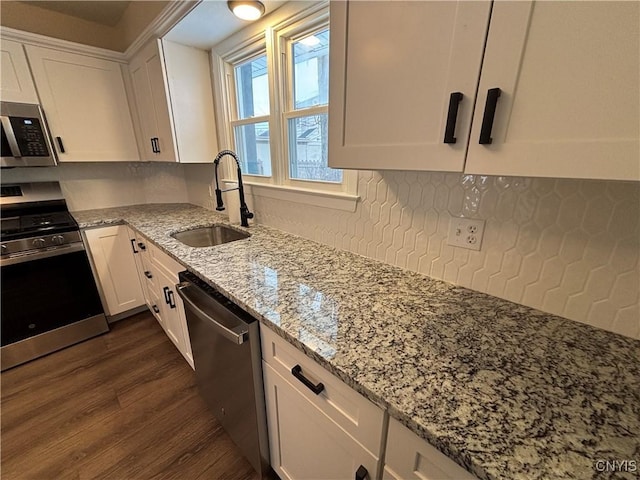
(209, 236)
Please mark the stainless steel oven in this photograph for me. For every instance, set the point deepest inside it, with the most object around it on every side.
(49, 299)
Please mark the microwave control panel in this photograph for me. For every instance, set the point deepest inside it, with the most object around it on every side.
(30, 136)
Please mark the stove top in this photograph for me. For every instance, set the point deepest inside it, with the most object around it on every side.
(33, 210)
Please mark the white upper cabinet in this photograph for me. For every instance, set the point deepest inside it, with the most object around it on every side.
(86, 105)
(570, 91)
(149, 85)
(396, 67)
(16, 84)
(172, 86)
(558, 93)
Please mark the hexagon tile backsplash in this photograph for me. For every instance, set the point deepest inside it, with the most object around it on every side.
(568, 247)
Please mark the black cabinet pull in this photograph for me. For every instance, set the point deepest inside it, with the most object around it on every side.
(60, 144)
(172, 302)
(297, 372)
(155, 145)
(489, 112)
(133, 245)
(452, 117)
(361, 473)
(148, 274)
(156, 309)
(166, 295)
(142, 246)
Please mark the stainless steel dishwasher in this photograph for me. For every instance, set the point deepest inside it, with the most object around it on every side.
(225, 341)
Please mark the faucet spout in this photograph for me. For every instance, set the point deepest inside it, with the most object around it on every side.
(245, 214)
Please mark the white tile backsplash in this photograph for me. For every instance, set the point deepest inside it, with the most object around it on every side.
(100, 185)
(568, 247)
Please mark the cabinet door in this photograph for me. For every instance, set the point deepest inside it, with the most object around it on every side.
(16, 84)
(191, 94)
(570, 90)
(116, 269)
(150, 89)
(394, 68)
(86, 105)
(304, 442)
(410, 457)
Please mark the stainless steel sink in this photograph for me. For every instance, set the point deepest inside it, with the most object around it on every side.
(209, 236)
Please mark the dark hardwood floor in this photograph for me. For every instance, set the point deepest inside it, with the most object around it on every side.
(120, 406)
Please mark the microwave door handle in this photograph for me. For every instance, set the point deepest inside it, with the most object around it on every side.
(11, 138)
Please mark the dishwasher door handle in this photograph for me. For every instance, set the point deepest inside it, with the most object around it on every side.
(235, 337)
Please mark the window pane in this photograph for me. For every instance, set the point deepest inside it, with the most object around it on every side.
(308, 149)
(252, 142)
(311, 70)
(252, 88)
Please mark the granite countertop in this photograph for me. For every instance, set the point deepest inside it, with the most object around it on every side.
(504, 390)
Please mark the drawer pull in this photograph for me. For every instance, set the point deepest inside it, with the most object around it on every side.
(362, 473)
(148, 274)
(156, 309)
(142, 246)
(297, 372)
(133, 245)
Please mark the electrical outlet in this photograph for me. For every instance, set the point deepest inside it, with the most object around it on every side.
(466, 233)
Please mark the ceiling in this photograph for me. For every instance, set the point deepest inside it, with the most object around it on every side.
(106, 13)
(211, 22)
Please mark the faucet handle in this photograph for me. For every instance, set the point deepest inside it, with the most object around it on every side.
(219, 202)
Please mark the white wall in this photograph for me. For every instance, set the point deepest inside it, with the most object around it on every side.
(568, 247)
(100, 185)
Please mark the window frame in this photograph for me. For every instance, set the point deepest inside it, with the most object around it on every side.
(276, 38)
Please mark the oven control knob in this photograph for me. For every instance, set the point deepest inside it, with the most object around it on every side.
(39, 242)
(57, 240)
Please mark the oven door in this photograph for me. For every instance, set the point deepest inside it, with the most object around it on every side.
(45, 291)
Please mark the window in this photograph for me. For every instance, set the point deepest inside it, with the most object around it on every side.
(276, 87)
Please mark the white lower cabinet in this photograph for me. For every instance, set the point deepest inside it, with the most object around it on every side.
(410, 457)
(158, 273)
(335, 434)
(115, 268)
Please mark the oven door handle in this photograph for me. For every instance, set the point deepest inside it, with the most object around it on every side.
(33, 255)
(11, 137)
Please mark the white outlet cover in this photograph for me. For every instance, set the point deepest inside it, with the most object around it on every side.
(466, 233)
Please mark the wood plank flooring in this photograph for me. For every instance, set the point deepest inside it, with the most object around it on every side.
(120, 406)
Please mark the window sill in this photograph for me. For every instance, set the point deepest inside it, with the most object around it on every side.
(335, 200)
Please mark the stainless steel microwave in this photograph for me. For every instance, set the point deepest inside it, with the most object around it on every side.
(26, 141)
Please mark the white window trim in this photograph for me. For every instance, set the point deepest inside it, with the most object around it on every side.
(273, 34)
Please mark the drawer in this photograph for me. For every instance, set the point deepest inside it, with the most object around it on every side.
(348, 409)
(164, 262)
(410, 457)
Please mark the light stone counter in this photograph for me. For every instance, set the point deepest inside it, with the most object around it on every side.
(506, 391)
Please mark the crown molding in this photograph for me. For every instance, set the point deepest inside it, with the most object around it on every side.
(36, 39)
(168, 17)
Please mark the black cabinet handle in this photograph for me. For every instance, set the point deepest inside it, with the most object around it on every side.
(172, 302)
(142, 246)
(452, 117)
(489, 112)
(148, 274)
(156, 309)
(60, 144)
(297, 372)
(166, 295)
(133, 245)
(361, 473)
(153, 146)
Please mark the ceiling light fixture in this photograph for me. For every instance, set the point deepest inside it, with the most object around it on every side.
(246, 9)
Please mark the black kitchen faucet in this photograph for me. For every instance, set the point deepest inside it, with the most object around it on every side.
(245, 214)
